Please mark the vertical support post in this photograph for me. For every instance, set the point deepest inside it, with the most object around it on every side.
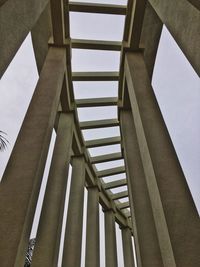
(21, 181)
(146, 241)
(92, 258)
(17, 19)
(177, 18)
(175, 215)
(110, 239)
(49, 230)
(73, 235)
(127, 247)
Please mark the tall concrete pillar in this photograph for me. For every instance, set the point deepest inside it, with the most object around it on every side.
(17, 18)
(21, 181)
(110, 239)
(146, 240)
(49, 230)
(92, 258)
(73, 234)
(175, 215)
(182, 20)
(127, 247)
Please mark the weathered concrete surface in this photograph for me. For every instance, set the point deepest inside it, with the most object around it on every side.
(92, 257)
(183, 21)
(146, 241)
(150, 37)
(49, 230)
(127, 248)
(40, 34)
(110, 239)
(195, 3)
(160, 162)
(17, 18)
(73, 234)
(21, 182)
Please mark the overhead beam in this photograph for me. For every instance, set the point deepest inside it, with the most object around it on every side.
(96, 44)
(112, 171)
(103, 142)
(119, 195)
(96, 102)
(98, 124)
(105, 158)
(115, 184)
(97, 8)
(124, 205)
(95, 76)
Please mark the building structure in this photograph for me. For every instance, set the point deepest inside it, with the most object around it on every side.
(162, 218)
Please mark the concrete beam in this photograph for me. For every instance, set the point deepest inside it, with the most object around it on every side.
(97, 8)
(123, 205)
(112, 171)
(95, 76)
(119, 195)
(96, 44)
(98, 124)
(115, 184)
(105, 158)
(96, 102)
(103, 142)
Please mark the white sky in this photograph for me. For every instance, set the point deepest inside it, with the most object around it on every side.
(176, 85)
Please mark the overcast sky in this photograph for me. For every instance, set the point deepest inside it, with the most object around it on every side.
(176, 85)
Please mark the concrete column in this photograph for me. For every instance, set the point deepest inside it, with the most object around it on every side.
(73, 234)
(175, 215)
(21, 181)
(150, 36)
(40, 34)
(146, 240)
(49, 230)
(92, 258)
(182, 20)
(17, 18)
(110, 239)
(127, 247)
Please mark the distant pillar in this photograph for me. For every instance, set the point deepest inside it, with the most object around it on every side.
(92, 258)
(175, 215)
(21, 181)
(110, 239)
(127, 247)
(73, 234)
(49, 230)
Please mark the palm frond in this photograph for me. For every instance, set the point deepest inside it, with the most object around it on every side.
(3, 141)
